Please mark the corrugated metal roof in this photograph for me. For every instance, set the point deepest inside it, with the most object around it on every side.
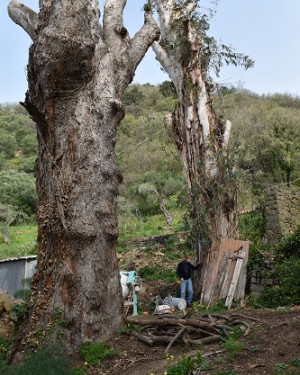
(25, 257)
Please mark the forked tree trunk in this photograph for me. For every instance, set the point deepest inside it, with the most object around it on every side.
(199, 136)
(77, 73)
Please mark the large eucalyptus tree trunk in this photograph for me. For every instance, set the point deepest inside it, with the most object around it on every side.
(200, 137)
(78, 70)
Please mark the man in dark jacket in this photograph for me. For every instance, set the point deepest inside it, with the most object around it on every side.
(184, 273)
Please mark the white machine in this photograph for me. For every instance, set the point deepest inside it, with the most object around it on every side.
(131, 285)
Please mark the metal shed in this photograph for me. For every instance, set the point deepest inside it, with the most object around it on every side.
(15, 271)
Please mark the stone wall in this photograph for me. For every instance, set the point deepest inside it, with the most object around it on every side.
(282, 212)
(258, 280)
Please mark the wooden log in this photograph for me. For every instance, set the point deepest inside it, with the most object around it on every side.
(178, 334)
(204, 341)
(141, 320)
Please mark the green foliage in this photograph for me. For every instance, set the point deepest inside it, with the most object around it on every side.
(252, 228)
(217, 307)
(127, 328)
(232, 346)
(284, 369)
(215, 54)
(170, 256)
(92, 353)
(295, 362)
(289, 247)
(286, 275)
(48, 361)
(167, 88)
(4, 349)
(19, 311)
(286, 290)
(18, 189)
(252, 225)
(265, 135)
(153, 273)
(9, 215)
(22, 241)
(187, 366)
(170, 243)
(18, 134)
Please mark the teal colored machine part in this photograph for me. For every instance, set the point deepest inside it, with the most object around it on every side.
(131, 285)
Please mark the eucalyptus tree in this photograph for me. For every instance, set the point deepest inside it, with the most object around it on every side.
(186, 52)
(78, 70)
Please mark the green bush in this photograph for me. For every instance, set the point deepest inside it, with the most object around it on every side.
(286, 275)
(288, 247)
(48, 361)
(252, 228)
(18, 189)
(286, 290)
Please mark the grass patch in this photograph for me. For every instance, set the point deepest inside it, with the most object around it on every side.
(93, 353)
(218, 307)
(232, 347)
(22, 241)
(149, 226)
(187, 366)
(284, 369)
(154, 274)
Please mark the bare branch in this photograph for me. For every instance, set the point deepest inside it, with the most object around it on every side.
(24, 17)
(187, 10)
(163, 57)
(143, 39)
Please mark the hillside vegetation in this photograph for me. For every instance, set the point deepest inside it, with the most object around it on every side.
(264, 148)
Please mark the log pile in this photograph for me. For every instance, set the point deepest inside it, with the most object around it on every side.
(206, 329)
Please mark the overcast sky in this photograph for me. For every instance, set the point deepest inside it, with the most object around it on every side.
(266, 30)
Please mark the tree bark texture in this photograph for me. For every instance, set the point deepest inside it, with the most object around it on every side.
(200, 137)
(78, 70)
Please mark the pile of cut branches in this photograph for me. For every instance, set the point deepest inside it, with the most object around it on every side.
(206, 329)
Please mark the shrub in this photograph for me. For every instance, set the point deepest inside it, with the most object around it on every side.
(286, 275)
(18, 189)
(288, 247)
(48, 361)
(286, 290)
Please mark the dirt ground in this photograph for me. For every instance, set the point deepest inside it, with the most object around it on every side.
(272, 347)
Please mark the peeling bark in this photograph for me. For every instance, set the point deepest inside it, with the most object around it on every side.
(77, 74)
(200, 137)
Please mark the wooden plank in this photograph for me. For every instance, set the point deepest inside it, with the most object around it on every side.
(215, 282)
(240, 289)
(235, 278)
(210, 275)
(220, 277)
(224, 289)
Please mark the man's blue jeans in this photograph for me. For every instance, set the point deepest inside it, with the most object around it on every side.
(187, 286)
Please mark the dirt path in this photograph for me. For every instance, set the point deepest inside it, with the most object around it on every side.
(272, 347)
